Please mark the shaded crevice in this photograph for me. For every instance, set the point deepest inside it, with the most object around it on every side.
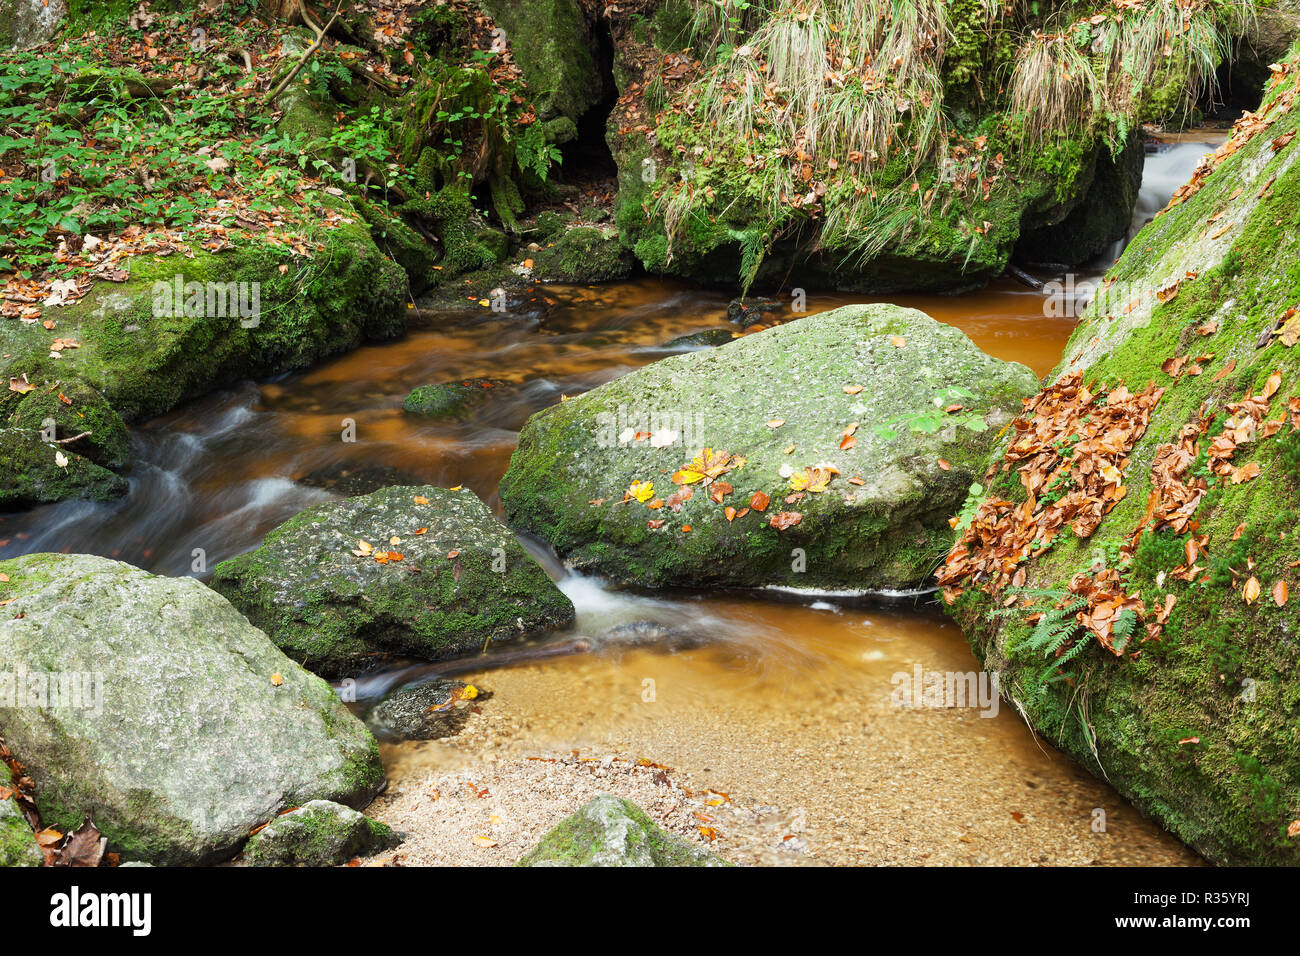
(588, 156)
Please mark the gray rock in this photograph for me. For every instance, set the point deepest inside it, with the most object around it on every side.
(320, 833)
(191, 728)
(880, 520)
(609, 831)
(28, 23)
(463, 582)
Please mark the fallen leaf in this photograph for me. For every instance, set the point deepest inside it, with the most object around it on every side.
(1250, 592)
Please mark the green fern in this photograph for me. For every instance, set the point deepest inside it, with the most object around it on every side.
(1055, 628)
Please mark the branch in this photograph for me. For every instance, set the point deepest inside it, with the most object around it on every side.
(69, 441)
(307, 54)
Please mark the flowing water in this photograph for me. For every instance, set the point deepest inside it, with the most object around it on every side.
(787, 703)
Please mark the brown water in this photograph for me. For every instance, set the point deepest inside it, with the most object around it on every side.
(782, 703)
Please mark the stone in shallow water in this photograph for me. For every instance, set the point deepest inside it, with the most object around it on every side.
(864, 427)
(609, 831)
(349, 480)
(187, 727)
(449, 398)
(427, 711)
(319, 833)
(413, 571)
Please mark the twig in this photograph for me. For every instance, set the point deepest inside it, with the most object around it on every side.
(69, 441)
(307, 54)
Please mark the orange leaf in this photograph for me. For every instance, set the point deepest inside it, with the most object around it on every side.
(1250, 592)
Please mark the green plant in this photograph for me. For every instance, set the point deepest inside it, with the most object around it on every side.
(936, 415)
(974, 495)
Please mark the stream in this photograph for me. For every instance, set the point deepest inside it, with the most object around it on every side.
(785, 703)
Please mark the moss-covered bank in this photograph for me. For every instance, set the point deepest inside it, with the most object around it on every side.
(1200, 726)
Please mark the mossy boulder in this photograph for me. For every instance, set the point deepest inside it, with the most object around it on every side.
(74, 408)
(145, 359)
(610, 831)
(177, 726)
(1198, 725)
(320, 833)
(552, 44)
(1100, 219)
(31, 473)
(583, 254)
(18, 846)
(861, 393)
(453, 580)
(441, 401)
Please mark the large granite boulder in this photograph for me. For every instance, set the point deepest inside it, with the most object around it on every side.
(827, 452)
(150, 706)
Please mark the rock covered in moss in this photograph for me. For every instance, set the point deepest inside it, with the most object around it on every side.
(18, 846)
(33, 472)
(426, 711)
(74, 408)
(609, 831)
(143, 353)
(438, 401)
(1099, 220)
(410, 570)
(177, 726)
(319, 833)
(552, 44)
(583, 254)
(859, 430)
(1198, 726)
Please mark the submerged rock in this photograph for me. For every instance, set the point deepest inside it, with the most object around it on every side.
(707, 339)
(18, 846)
(852, 435)
(428, 711)
(348, 480)
(34, 472)
(165, 717)
(409, 570)
(1196, 720)
(749, 312)
(609, 831)
(320, 833)
(440, 401)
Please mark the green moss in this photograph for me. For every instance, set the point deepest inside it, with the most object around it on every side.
(551, 43)
(583, 254)
(30, 473)
(144, 364)
(75, 409)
